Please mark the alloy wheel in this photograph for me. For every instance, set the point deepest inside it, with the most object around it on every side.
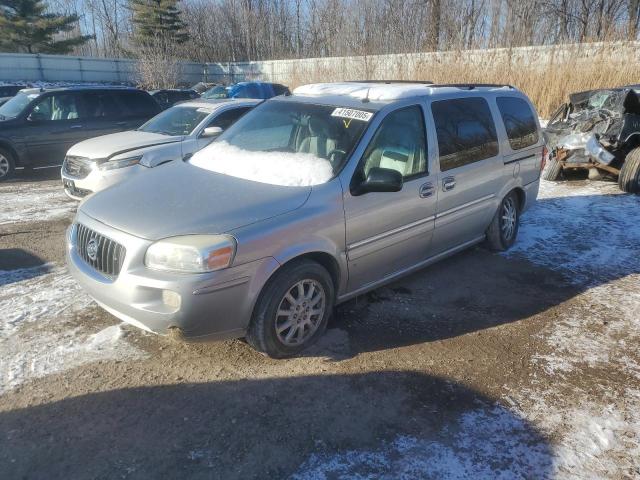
(300, 312)
(4, 166)
(508, 218)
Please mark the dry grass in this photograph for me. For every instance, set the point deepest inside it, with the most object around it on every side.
(546, 75)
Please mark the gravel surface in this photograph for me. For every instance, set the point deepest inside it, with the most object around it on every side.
(520, 365)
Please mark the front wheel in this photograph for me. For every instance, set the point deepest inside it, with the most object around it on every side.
(629, 178)
(293, 310)
(502, 232)
(7, 165)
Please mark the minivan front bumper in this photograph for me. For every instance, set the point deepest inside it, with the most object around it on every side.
(217, 305)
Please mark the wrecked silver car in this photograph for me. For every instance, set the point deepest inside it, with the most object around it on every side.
(597, 131)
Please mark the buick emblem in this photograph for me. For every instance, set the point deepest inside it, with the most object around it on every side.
(92, 249)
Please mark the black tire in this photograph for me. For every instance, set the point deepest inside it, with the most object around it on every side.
(499, 236)
(262, 334)
(552, 171)
(7, 165)
(629, 178)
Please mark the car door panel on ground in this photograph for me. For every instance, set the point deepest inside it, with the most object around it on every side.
(387, 232)
(470, 170)
(55, 123)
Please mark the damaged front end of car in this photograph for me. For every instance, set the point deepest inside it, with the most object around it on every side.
(594, 131)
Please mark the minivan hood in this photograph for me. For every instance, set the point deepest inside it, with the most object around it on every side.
(180, 199)
(109, 145)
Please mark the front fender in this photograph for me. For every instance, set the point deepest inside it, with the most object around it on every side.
(17, 150)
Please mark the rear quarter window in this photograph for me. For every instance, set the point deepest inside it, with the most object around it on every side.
(519, 122)
(465, 130)
(137, 103)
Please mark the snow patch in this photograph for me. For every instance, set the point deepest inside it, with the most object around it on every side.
(276, 168)
(39, 334)
(34, 202)
(588, 232)
(360, 90)
(484, 443)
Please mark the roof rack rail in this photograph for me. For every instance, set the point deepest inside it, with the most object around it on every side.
(471, 86)
(425, 82)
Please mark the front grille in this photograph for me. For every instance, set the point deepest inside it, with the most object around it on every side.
(77, 167)
(102, 253)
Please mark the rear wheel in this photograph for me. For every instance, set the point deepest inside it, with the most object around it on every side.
(293, 310)
(552, 171)
(629, 178)
(502, 232)
(7, 165)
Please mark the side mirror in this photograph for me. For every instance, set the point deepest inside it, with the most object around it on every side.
(380, 180)
(211, 132)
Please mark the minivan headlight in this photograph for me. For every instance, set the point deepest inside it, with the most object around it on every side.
(120, 163)
(191, 253)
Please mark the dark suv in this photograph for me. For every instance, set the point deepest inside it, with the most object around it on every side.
(38, 126)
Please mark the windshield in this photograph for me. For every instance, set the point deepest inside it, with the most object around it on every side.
(286, 143)
(216, 92)
(16, 105)
(178, 120)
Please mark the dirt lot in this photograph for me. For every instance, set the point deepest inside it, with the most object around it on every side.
(524, 365)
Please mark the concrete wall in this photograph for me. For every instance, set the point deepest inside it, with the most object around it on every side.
(58, 68)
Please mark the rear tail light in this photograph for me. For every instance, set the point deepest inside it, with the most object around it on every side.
(543, 160)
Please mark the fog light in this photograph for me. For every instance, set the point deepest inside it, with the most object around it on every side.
(171, 299)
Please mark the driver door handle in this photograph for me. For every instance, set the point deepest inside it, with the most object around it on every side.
(448, 183)
(426, 190)
(76, 126)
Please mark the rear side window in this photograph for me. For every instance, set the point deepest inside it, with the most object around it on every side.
(519, 122)
(137, 104)
(228, 117)
(466, 132)
(99, 105)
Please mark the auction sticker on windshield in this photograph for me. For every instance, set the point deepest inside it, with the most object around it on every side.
(353, 114)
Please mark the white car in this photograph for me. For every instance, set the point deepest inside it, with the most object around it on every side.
(95, 164)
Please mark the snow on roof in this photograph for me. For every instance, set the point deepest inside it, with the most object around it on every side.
(385, 91)
(372, 91)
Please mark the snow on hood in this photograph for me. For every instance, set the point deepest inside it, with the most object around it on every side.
(275, 168)
(108, 145)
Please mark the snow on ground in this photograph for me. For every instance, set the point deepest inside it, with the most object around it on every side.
(591, 233)
(476, 446)
(33, 202)
(39, 334)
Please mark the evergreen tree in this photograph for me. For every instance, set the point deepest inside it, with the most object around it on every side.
(26, 27)
(158, 21)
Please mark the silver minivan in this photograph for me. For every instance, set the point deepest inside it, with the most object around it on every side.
(305, 202)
